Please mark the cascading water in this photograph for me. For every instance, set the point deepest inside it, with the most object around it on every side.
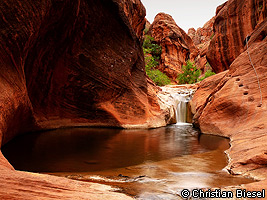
(181, 102)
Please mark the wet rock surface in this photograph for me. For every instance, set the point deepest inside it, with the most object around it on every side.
(25, 185)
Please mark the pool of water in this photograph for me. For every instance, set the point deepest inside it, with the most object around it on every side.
(146, 164)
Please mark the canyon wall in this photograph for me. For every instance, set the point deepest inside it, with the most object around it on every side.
(233, 104)
(201, 38)
(64, 65)
(203, 34)
(71, 63)
(177, 46)
(234, 21)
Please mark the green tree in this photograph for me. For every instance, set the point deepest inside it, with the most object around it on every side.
(190, 73)
(146, 30)
(148, 41)
(149, 46)
(151, 62)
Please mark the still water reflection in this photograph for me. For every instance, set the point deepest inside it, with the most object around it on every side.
(91, 149)
(146, 164)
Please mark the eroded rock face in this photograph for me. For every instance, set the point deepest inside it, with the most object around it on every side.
(71, 63)
(201, 38)
(62, 65)
(233, 107)
(235, 20)
(202, 35)
(135, 13)
(177, 46)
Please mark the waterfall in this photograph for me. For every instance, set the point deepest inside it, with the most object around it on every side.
(181, 102)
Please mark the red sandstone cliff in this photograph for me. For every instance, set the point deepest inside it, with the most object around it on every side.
(135, 13)
(177, 46)
(202, 35)
(201, 38)
(63, 65)
(70, 63)
(235, 20)
(228, 104)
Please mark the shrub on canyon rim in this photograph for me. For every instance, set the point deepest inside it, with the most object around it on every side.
(158, 77)
(154, 74)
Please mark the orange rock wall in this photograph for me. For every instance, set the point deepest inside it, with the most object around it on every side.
(70, 63)
(203, 34)
(232, 107)
(64, 65)
(234, 21)
(201, 38)
(177, 46)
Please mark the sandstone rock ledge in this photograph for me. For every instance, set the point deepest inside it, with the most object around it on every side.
(228, 104)
(167, 101)
(25, 185)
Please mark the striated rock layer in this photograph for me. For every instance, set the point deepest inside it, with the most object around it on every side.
(235, 20)
(229, 104)
(70, 63)
(177, 46)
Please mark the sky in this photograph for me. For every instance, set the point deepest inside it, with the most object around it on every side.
(186, 13)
